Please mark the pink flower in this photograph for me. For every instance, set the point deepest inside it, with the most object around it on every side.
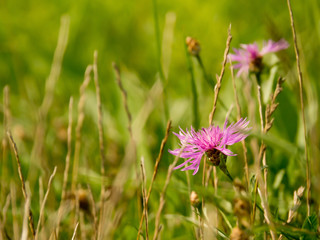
(211, 141)
(249, 57)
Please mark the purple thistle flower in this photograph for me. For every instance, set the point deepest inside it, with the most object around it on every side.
(249, 57)
(211, 141)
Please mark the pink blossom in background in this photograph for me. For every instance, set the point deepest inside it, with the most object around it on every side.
(249, 57)
(212, 139)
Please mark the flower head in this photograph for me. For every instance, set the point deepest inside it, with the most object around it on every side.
(249, 57)
(211, 141)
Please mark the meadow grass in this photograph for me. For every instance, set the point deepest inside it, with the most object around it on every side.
(85, 153)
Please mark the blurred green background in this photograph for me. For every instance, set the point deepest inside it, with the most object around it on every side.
(125, 32)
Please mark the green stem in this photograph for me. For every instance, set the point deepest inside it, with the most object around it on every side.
(195, 111)
(158, 43)
(207, 77)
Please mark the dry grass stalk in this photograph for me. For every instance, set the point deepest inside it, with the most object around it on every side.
(101, 138)
(26, 216)
(15, 223)
(124, 96)
(219, 79)
(155, 170)
(66, 169)
(264, 160)
(4, 215)
(267, 214)
(216, 92)
(75, 231)
(6, 121)
(93, 213)
(144, 194)
(246, 166)
(25, 195)
(270, 108)
(211, 115)
(80, 120)
(49, 88)
(41, 194)
(296, 49)
(296, 204)
(44, 202)
(163, 194)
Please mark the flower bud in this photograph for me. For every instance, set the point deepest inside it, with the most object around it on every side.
(194, 199)
(238, 234)
(193, 46)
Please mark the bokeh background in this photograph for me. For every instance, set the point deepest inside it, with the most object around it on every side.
(125, 32)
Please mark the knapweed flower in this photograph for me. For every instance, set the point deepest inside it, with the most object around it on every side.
(211, 141)
(249, 57)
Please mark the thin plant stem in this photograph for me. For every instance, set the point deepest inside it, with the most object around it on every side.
(26, 215)
(66, 169)
(218, 85)
(144, 194)
(246, 166)
(6, 121)
(158, 46)
(49, 91)
(124, 96)
(155, 170)
(14, 211)
(4, 214)
(296, 49)
(263, 156)
(93, 213)
(195, 111)
(75, 232)
(80, 120)
(24, 191)
(101, 137)
(163, 194)
(44, 203)
(207, 77)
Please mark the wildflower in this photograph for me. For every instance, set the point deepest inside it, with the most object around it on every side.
(211, 141)
(249, 57)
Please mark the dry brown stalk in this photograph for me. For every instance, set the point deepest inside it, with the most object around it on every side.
(25, 195)
(66, 169)
(155, 170)
(264, 160)
(144, 194)
(163, 194)
(75, 231)
(4, 215)
(14, 211)
(26, 215)
(101, 138)
(124, 96)
(217, 90)
(41, 193)
(219, 79)
(80, 120)
(44, 202)
(211, 115)
(270, 108)
(296, 49)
